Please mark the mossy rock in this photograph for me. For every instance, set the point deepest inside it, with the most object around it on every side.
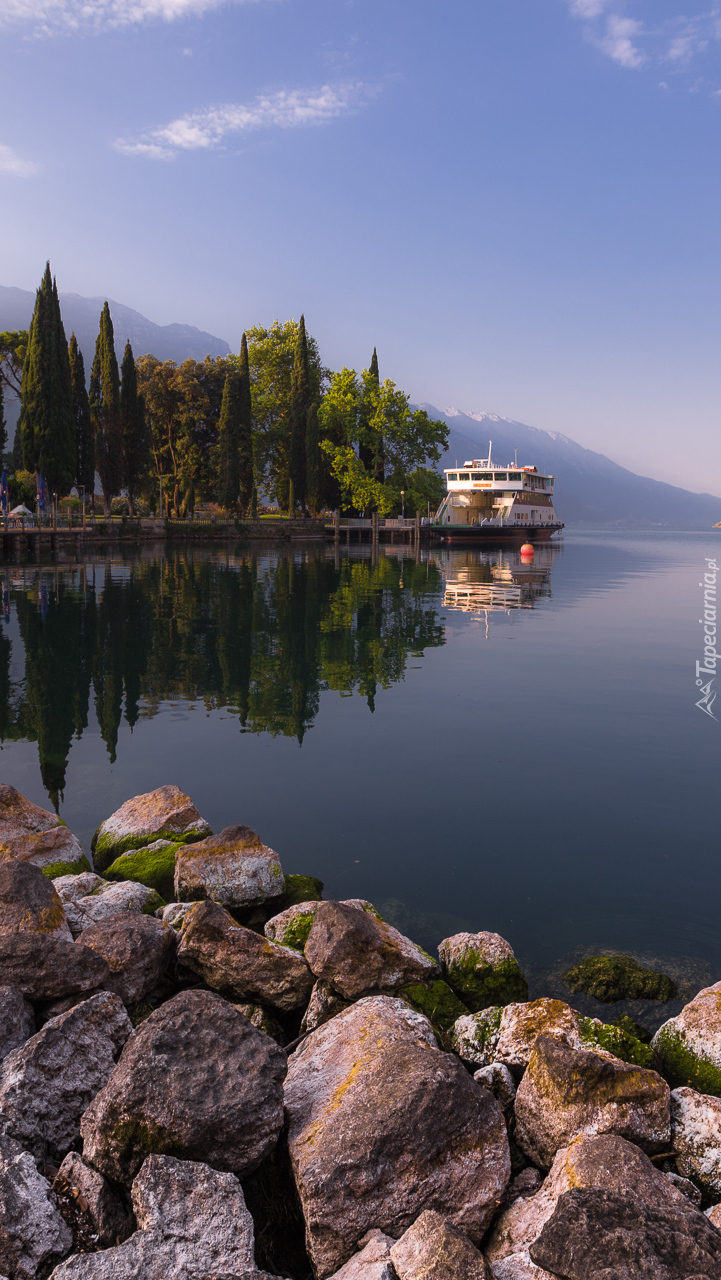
(301, 889)
(484, 986)
(296, 935)
(153, 904)
(149, 866)
(56, 869)
(633, 1028)
(680, 1065)
(616, 1040)
(611, 978)
(106, 849)
(437, 1001)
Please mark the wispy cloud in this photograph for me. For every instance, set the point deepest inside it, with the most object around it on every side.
(288, 109)
(644, 40)
(13, 165)
(47, 16)
(620, 41)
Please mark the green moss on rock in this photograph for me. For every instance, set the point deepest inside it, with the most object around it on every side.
(153, 904)
(680, 1065)
(152, 867)
(107, 848)
(301, 889)
(615, 1040)
(56, 869)
(437, 1001)
(633, 1028)
(296, 933)
(482, 986)
(610, 978)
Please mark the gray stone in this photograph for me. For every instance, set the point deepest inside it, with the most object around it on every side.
(47, 1083)
(29, 903)
(165, 814)
(105, 1210)
(499, 1080)
(691, 1192)
(31, 834)
(17, 1020)
(192, 1225)
(174, 913)
(234, 868)
(323, 1005)
(49, 967)
(434, 1249)
(359, 953)
(291, 927)
(382, 1125)
(372, 1262)
(137, 950)
(33, 1234)
(696, 1136)
(197, 1078)
(688, 1047)
(120, 898)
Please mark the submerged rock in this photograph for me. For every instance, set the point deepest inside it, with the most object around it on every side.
(696, 1137)
(195, 1078)
(357, 952)
(99, 1201)
(611, 978)
(33, 1234)
(49, 966)
(29, 902)
(234, 868)
(688, 1047)
(165, 814)
(482, 969)
(240, 963)
(17, 1020)
(137, 950)
(153, 866)
(382, 1125)
(566, 1091)
(434, 1249)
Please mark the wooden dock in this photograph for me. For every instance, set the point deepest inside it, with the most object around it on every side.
(379, 530)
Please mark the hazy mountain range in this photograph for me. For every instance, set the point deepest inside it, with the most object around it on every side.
(590, 488)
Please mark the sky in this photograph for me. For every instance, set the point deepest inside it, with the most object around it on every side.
(516, 201)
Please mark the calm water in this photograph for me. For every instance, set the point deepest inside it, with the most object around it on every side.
(466, 742)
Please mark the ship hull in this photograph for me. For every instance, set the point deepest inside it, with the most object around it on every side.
(496, 535)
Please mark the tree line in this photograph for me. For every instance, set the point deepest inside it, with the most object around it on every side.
(268, 424)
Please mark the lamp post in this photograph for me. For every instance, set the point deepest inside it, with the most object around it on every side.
(81, 490)
(55, 511)
(403, 504)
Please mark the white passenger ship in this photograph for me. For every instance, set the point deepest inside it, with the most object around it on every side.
(491, 503)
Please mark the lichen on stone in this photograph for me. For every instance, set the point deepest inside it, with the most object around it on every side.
(611, 978)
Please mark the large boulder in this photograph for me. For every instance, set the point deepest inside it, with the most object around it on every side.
(192, 1225)
(240, 963)
(165, 814)
(382, 1125)
(688, 1047)
(595, 1234)
(565, 1092)
(482, 969)
(31, 834)
(104, 1208)
(49, 966)
(153, 866)
(137, 950)
(109, 900)
(358, 953)
(696, 1137)
(234, 868)
(29, 902)
(46, 1084)
(433, 1249)
(611, 978)
(292, 926)
(17, 1020)
(195, 1078)
(33, 1234)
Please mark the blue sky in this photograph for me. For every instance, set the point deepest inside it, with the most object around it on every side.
(517, 201)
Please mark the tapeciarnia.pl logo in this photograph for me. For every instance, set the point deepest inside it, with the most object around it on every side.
(710, 656)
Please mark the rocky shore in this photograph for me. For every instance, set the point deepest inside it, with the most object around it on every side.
(207, 1072)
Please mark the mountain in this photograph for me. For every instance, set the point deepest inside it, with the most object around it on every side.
(590, 488)
(82, 315)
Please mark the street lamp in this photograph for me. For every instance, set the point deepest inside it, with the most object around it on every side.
(403, 504)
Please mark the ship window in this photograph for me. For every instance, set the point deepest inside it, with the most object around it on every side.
(475, 475)
(515, 475)
(485, 475)
(452, 476)
(463, 475)
(500, 475)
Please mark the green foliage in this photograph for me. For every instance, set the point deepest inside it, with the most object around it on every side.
(3, 424)
(104, 401)
(610, 978)
(182, 405)
(423, 488)
(13, 348)
(358, 489)
(133, 429)
(46, 417)
(314, 469)
(84, 442)
(246, 482)
(228, 441)
(21, 489)
(299, 406)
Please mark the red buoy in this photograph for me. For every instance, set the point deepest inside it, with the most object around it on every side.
(527, 550)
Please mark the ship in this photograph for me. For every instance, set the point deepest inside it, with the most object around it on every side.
(495, 503)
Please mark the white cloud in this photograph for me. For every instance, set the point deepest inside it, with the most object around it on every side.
(12, 165)
(618, 41)
(587, 8)
(288, 109)
(52, 15)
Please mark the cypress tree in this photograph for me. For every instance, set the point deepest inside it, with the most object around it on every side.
(47, 424)
(366, 450)
(3, 424)
(228, 433)
(379, 453)
(300, 403)
(85, 446)
(105, 410)
(313, 462)
(132, 427)
(245, 431)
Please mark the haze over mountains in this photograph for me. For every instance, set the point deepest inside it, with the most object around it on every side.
(590, 488)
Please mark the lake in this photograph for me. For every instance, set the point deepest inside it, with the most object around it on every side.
(467, 741)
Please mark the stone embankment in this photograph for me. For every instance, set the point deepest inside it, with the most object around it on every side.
(209, 1073)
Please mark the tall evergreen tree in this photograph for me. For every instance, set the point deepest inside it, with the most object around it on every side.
(245, 431)
(228, 433)
(105, 410)
(3, 424)
(85, 446)
(300, 404)
(133, 427)
(370, 449)
(46, 417)
(314, 470)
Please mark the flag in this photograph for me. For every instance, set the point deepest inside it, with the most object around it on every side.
(42, 494)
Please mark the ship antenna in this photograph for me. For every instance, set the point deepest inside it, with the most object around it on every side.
(490, 446)
(515, 457)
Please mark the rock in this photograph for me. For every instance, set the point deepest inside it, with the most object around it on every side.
(112, 900)
(165, 814)
(17, 1020)
(714, 1215)
(71, 888)
(435, 999)
(595, 1234)
(105, 1210)
(192, 1225)
(153, 866)
(57, 852)
(46, 1084)
(240, 963)
(19, 816)
(565, 1092)
(519, 1267)
(372, 1262)
(696, 1137)
(195, 1078)
(509, 1035)
(382, 1125)
(608, 1162)
(482, 969)
(33, 1234)
(29, 902)
(137, 950)
(358, 953)
(49, 967)
(292, 926)
(301, 889)
(688, 1047)
(499, 1080)
(174, 913)
(525, 1184)
(690, 1191)
(611, 978)
(434, 1249)
(263, 1020)
(323, 1005)
(234, 868)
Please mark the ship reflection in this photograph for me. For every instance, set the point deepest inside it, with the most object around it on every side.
(493, 581)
